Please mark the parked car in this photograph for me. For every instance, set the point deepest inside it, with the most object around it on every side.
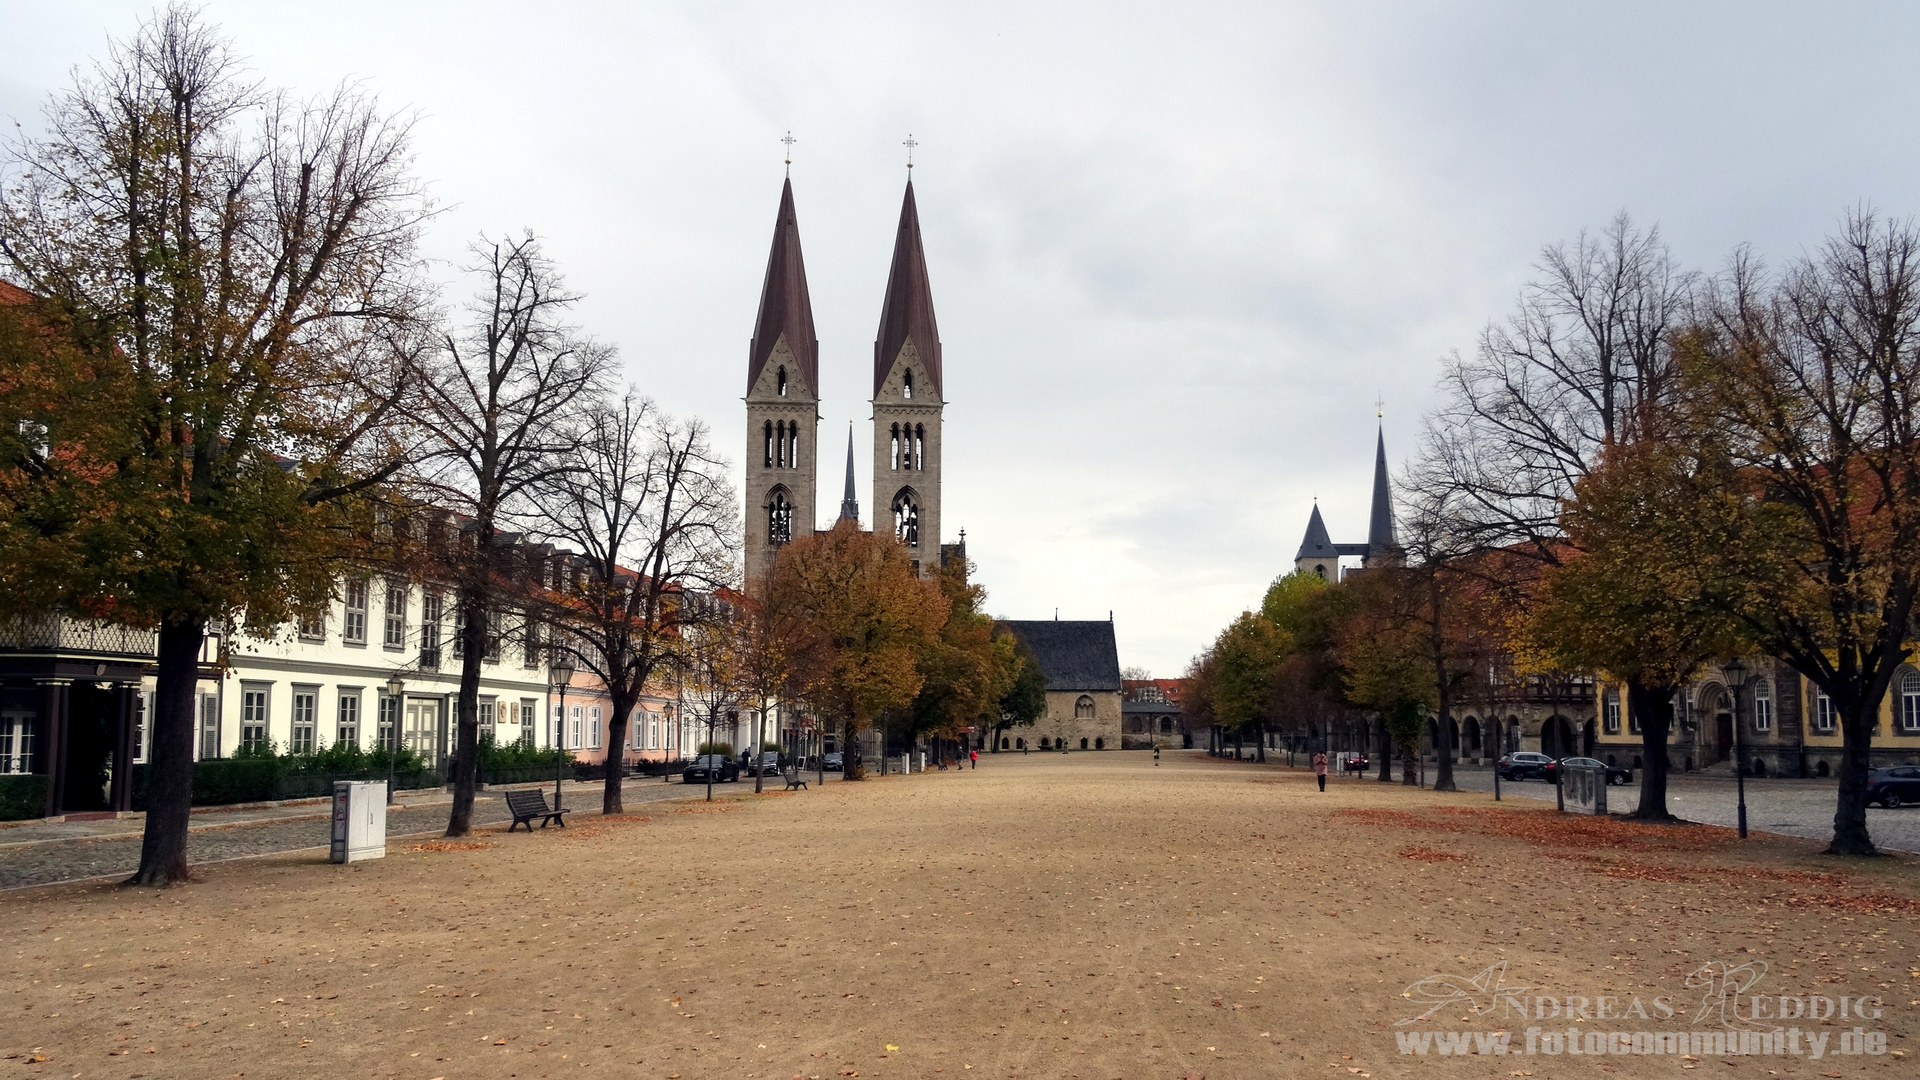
(1524, 765)
(717, 767)
(769, 764)
(1354, 763)
(833, 762)
(1615, 774)
(1894, 787)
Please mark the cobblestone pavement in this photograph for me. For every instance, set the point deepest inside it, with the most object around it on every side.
(41, 854)
(1793, 807)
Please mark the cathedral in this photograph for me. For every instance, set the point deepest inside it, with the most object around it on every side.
(1320, 556)
(783, 399)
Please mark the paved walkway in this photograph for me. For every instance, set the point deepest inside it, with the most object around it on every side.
(1793, 807)
(41, 853)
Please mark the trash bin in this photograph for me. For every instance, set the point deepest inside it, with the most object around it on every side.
(359, 820)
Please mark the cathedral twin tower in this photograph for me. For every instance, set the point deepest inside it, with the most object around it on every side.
(783, 400)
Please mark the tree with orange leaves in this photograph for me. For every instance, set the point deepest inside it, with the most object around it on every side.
(863, 620)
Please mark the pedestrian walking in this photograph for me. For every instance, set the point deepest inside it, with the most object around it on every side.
(1320, 769)
(973, 756)
(1156, 757)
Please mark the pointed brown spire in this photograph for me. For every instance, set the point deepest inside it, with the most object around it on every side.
(907, 313)
(784, 304)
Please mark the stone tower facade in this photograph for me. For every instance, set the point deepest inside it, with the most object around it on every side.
(783, 404)
(908, 401)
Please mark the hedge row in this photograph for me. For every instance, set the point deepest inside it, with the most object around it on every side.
(224, 781)
(22, 797)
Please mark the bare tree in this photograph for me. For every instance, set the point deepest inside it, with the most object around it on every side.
(1812, 377)
(1585, 362)
(646, 502)
(708, 664)
(237, 252)
(502, 400)
(1580, 363)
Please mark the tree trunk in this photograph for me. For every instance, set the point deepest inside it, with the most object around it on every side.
(851, 765)
(1261, 753)
(1443, 743)
(1409, 756)
(1850, 836)
(1386, 753)
(163, 846)
(612, 794)
(1652, 708)
(1443, 700)
(466, 709)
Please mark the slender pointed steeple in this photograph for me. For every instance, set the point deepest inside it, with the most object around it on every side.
(1381, 542)
(783, 404)
(785, 307)
(907, 314)
(850, 503)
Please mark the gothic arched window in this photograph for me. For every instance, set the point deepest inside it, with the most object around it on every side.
(781, 389)
(920, 446)
(780, 444)
(769, 444)
(1083, 708)
(906, 517)
(906, 385)
(895, 452)
(779, 517)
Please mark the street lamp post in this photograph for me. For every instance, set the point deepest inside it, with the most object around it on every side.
(559, 676)
(1500, 737)
(1736, 676)
(396, 686)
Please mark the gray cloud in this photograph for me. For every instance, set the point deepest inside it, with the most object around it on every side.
(1177, 252)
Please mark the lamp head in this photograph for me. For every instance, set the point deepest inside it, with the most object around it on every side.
(1735, 671)
(559, 669)
(396, 685)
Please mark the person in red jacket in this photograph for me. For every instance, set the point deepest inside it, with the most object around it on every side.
(974, 757)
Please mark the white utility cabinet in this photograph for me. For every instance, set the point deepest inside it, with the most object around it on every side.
(359, 820)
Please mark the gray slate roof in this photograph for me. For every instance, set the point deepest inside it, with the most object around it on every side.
(1074, 655)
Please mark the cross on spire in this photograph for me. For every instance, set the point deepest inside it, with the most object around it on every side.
(1379, 408)
(910, 144)
(789, 140)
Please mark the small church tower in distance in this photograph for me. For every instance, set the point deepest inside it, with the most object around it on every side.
(783, 398)
(908, 400)
(1383, 546)
(1320, 556)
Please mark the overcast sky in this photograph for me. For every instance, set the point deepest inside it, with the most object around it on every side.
(1176, 250)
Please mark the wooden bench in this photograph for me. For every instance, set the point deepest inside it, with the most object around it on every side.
(793, 779)
(527, 805)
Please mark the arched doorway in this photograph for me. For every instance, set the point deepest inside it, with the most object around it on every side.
(1473, 736)
(1587, 739)
(1716, 725)
(1556, 737)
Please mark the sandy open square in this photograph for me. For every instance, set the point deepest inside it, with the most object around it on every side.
(1047, 916)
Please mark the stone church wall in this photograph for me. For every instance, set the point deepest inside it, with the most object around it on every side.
(1101, 732)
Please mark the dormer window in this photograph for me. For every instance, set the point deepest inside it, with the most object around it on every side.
(781, 387)
(906, 385)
